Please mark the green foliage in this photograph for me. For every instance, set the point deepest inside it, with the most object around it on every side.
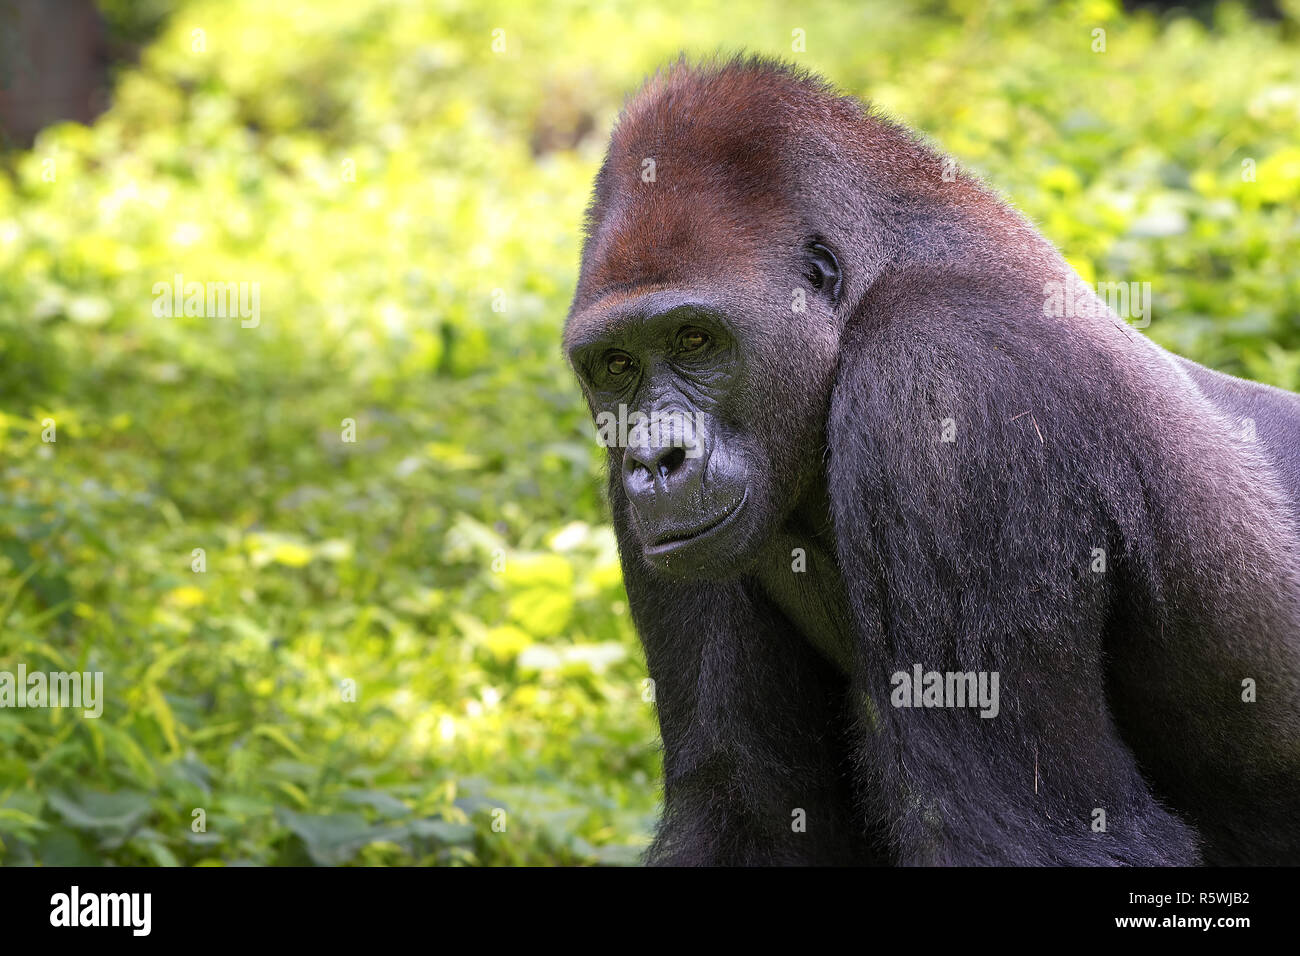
(387, 178)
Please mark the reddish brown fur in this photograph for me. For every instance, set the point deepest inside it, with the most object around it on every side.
(739, 147)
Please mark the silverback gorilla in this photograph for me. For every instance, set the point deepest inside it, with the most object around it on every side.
(940, 572)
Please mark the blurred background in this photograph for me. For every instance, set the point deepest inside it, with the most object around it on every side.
(347, 570)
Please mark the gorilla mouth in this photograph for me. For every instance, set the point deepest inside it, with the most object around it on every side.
(673, 539)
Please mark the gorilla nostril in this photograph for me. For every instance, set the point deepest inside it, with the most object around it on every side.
(671, 461)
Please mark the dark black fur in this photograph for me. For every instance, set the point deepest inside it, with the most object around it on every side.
(1120, 691)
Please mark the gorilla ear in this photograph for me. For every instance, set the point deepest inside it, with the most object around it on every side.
(822, 269)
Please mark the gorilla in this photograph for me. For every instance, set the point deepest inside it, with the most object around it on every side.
(940, 561)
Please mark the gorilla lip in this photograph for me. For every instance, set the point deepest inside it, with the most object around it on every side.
(675, 539)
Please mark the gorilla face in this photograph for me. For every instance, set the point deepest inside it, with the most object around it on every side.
(680, 383)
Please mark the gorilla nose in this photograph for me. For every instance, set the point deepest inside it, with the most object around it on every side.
(658, 463)
(660, 479)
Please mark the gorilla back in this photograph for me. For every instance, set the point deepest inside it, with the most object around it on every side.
(935, 559)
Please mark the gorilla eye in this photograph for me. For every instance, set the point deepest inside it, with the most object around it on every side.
(691, 340)
(618, 363)
(822, 269)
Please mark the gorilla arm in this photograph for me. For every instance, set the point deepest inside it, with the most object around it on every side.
(980, 553)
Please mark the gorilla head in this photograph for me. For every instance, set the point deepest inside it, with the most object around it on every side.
(709, 303)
